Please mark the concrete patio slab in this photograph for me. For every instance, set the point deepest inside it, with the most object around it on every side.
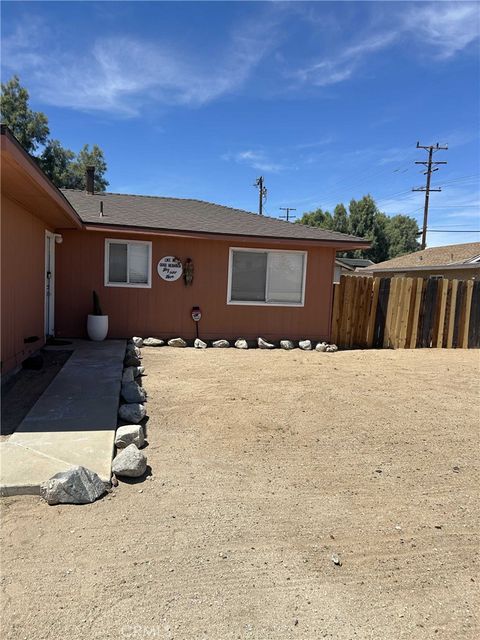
(72, 423)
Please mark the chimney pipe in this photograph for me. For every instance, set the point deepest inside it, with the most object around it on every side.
(90, 179)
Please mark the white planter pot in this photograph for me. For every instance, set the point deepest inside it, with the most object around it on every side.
(97, 327)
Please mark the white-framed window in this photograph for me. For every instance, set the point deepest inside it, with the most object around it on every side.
(128, 263)
(266, 277)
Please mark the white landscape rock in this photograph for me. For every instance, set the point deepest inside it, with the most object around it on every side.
(287, 344)
(133, 392)
(133, 350)
(263, 344)
(132, 413)
(177, 342)
(129, 434)
(137, 341)
(77, 485)
(130, 462)
(321, 346)
(241, 343)
(330, 349)
(153, 342)
(306, 345)
(220, 344)
(199, 344)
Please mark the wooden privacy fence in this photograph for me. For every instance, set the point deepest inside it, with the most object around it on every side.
(406, 313)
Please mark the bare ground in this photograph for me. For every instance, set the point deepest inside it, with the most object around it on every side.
(264, 465)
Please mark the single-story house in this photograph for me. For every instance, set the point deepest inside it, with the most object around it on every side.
(454, 261)
(348, 266)
(152, 260)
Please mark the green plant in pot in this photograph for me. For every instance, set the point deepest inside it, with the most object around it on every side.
(97, 322)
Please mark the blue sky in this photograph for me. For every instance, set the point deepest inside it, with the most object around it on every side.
(325, 99)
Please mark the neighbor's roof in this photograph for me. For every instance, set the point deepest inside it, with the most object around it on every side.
(355, 262)
(450, 255)
(191, 216)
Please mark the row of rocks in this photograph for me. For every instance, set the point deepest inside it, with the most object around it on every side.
(241, 343)
(130, 438)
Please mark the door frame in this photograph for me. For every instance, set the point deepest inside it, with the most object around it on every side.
(49, 284)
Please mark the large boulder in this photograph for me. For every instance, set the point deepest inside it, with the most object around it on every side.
(306, 345)
(199, 344)
(263, 344)
(130, 462)
(77, 485)
(287, 344)
(129, 434)
(153, 342)
(177, 342)
(133, 413)
(138, 342)
(133, 392)
(241, 343)
(221, 344)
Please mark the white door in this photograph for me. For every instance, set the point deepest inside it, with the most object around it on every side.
(49, 283)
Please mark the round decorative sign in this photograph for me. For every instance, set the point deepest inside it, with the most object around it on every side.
(170, 268)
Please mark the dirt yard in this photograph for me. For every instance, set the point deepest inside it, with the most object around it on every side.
(264, 465)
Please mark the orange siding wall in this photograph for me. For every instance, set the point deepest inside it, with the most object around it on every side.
(23, 276)
(164, 310)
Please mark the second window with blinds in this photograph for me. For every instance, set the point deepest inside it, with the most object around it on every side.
(263, 276)
(128, 263)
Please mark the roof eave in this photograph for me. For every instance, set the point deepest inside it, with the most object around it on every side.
(341, 244)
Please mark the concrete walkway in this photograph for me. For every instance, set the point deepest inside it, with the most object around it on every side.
(72, 423)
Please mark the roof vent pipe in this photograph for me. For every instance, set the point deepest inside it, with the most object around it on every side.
(90, 179)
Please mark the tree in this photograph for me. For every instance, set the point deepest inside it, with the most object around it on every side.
(56, 162)
(389, 237)
(94, 158)
(317, 218)
(340, 219)
(402, 233)
(65, 168)
(29, 127)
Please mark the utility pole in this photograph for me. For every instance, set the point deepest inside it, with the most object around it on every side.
(429, 164)
(287, 209)
(262, 194)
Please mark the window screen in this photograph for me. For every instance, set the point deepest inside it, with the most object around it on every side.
(267, 276)
(249, 274)
(128, 263)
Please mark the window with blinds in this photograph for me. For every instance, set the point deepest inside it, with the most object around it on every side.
(128, 264)
(259, 276)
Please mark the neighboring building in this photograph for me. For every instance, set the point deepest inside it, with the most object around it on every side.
(348, 266)
(252, 275)
(460, 261)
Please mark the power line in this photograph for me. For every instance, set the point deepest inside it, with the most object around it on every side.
(287, 209)
(453, 230)
(431, 167)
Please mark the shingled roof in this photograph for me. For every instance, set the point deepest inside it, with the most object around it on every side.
(194, 216)
(448, 255)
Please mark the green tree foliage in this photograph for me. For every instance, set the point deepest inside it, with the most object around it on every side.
(402, 232)
(317, 218)
(389, 237)
(340, 219)
(65, 168)
(29, 127)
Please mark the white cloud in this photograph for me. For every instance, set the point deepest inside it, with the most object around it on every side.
(445, 28)
(256, 159)
(120, 74)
